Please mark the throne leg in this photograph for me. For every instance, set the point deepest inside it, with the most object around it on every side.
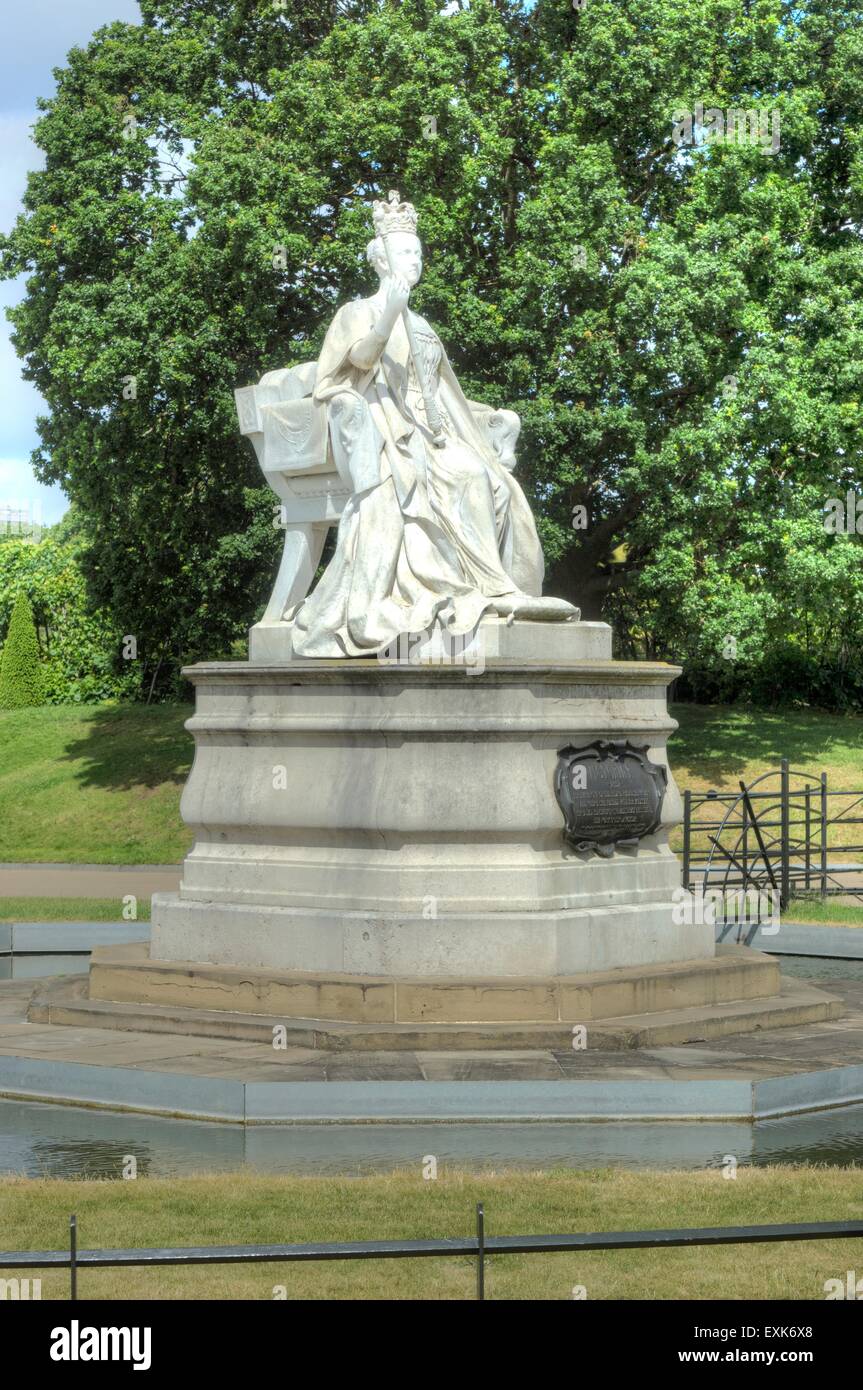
(304, 542)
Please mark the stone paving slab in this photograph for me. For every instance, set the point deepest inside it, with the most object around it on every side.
(243, 1071)
(769, 1052)
(799, 1069)
(464, 1067)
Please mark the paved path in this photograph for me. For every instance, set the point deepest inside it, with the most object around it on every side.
(87, 880)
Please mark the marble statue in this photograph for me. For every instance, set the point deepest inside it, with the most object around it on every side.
(339, 790)
(433, 528)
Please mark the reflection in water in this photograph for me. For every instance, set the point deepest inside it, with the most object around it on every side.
(59, 1141)
(834, 1137)
(95, 1158)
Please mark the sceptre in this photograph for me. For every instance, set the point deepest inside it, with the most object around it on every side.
(433, 416)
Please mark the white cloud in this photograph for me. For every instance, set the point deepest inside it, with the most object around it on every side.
(19, 156)
(20, 403)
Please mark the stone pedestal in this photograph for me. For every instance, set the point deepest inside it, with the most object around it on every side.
(380, 863)
(398, 819)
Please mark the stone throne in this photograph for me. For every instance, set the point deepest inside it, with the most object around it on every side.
(288, 429)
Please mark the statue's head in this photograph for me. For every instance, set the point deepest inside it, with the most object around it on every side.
(406, 254)
(396, 232)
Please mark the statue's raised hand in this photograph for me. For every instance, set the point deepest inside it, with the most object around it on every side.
(397, 295)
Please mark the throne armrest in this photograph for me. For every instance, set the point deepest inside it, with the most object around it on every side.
(501, 428)
(285, 423)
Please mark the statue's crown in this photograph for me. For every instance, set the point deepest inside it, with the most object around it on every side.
(393, 215)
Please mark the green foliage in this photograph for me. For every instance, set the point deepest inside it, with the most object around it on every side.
(20, 669)
(681, 328)
(80, 650)
(776, 619)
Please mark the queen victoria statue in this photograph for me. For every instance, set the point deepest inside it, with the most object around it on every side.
(412, 853)
(435, 530)
(423, 857)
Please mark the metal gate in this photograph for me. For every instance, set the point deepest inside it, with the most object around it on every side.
(786, 833)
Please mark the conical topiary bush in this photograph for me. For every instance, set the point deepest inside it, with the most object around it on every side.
(20, 667)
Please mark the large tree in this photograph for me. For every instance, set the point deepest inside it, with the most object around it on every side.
(679, 324)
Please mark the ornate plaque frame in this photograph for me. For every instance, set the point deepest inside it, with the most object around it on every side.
(620, 800)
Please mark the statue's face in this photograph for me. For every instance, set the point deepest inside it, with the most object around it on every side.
(406, 254)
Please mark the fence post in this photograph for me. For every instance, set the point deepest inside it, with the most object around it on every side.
(808, 878)
(744, 845)
(687, 832)
(480, 1252)
(785, 889)
(824, 834)
(73, 1257)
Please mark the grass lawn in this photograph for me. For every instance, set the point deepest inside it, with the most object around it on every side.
(68, 910)
(232, 1209)
(96, 784)
(101, 784)
(826, 914)
(717, 745)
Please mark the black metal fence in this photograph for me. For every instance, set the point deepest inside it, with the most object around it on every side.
(478, 1247)
(786, 833)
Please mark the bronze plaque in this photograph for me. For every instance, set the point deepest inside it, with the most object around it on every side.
(610, 794)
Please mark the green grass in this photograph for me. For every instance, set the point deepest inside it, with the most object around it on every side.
(68, 910)
(101, 784)
(96, 784)
(717, 745)
(232, 1209)
(829, 913)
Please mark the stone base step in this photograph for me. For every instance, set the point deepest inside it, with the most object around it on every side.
(65, 1001)
(126, 975)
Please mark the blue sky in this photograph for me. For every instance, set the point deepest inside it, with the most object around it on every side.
(37, 35)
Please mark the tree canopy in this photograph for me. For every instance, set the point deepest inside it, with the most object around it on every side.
(678, 321)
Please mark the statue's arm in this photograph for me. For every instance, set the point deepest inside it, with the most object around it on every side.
(356, 338)
(342, 356)
(366, 351)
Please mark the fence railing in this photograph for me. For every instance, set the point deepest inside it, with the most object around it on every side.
(479, 1247)
(785, 832)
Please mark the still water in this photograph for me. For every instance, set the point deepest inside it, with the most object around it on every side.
(59, 1141)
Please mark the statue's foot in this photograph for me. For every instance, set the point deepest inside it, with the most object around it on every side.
(537, 610)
